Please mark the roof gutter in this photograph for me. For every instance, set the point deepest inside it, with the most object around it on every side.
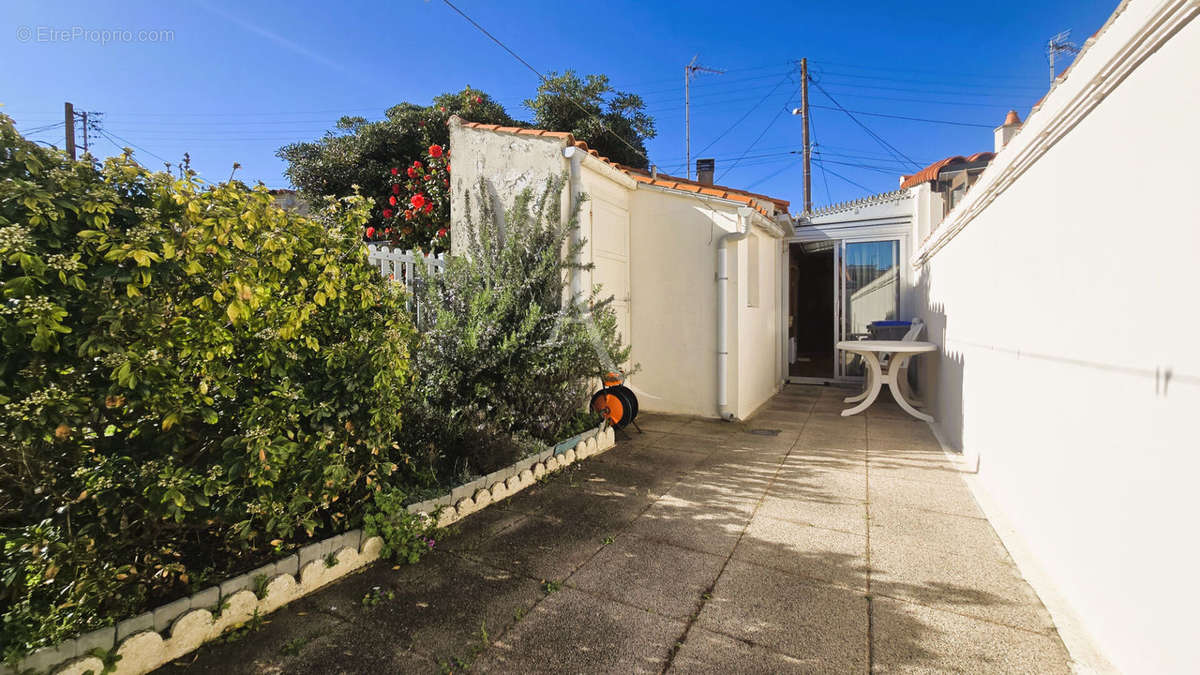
(743, 230)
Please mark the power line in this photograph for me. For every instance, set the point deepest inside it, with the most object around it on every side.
(525, 63)
(824, 178)
(885, 144)
(748, 113)
(838, 175)
(109, 135)
(905, 117)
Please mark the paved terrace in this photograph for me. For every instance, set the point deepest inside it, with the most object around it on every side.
(840, 544)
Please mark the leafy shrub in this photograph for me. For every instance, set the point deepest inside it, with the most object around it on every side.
(504, 361)
(188, 376)
(406, 536)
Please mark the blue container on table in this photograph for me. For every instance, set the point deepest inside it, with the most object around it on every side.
(888, 330)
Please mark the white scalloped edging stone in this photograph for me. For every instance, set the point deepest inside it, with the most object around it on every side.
(192, 621)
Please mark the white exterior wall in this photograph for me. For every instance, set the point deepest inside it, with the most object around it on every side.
(759, 331)
(1069, 371)
(674, 310)
(508, 163)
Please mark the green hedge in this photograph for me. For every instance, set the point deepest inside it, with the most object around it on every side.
(189, 376)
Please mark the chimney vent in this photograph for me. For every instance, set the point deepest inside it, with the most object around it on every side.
(704, 170)
(1006, 131)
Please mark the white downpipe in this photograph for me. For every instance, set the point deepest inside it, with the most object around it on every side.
(574, 185)
(743, 229)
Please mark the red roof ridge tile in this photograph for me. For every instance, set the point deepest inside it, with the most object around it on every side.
(642, 175)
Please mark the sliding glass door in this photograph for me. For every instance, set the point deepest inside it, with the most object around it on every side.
(868, 291)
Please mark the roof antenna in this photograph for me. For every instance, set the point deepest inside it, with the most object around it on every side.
(689, 71)
(1059, 44)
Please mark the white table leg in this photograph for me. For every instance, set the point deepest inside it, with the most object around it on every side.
(865, 392)
(898, 367)
(874, 384)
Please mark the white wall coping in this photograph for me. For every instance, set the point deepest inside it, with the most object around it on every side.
(1134, 32)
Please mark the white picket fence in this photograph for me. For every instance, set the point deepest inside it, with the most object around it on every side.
(401, 266)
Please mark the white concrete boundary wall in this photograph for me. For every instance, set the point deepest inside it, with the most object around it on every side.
(1063, 294)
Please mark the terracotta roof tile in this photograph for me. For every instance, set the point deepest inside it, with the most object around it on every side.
(931, 172)
(642, 176)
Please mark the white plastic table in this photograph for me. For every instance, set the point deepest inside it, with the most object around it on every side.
(902, 351)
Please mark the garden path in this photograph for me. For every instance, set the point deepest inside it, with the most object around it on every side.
(837, 544)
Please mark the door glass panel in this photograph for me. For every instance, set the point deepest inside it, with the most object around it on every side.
(871, 292)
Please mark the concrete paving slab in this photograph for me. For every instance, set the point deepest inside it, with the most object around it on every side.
(649, 574)
(688, 525)
(894, 525)
(818, 624)
(573, 631)
(952, 498)
(806, 479)
(831, 512)
(804, 550)
(709, 652)
(990, 589)
(444, 615)
(911, 638)
(543, 547)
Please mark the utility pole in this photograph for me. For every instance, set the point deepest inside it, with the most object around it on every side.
(1059, 44)
(802, 111)
(689, 71)
(807, 145)
(69, 119)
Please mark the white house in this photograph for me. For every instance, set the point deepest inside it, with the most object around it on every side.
(695, 269)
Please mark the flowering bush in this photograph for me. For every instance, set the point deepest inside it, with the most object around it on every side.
(416, 212)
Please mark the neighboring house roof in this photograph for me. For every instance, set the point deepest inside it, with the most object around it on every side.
(754, 200)
(931, 172)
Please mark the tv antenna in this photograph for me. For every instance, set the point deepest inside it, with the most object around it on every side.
(690, 71)
(1059, 44)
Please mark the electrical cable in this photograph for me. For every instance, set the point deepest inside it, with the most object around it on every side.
(748, 113)
(544, 80)
(838, 175)
(885, 144)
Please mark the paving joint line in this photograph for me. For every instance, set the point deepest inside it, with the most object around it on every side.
(711, 587)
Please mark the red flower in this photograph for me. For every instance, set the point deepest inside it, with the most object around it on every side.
(387, 213)
(395, 171)
(418, 200)
(447, 168)
(395, 189)
(412, 173)
(478, 99)
(429, 207)
(435, 151)
(392, 200)
(416, 165)
(442, 232)
(370, 232)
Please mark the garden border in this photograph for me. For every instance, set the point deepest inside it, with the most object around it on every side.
(151, 639)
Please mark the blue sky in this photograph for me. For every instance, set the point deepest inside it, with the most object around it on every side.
(236, 80)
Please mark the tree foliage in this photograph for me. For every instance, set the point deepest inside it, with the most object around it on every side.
(357, 159)
(504, 359)
(185, 373)
(613, 122)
